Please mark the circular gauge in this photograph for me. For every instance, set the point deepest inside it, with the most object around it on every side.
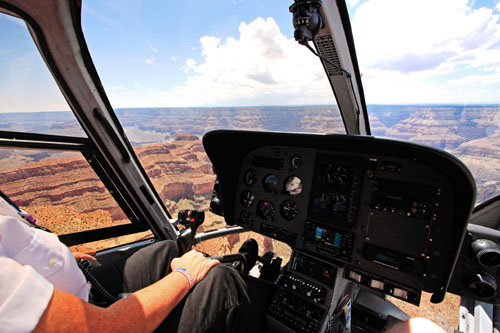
(244, 217)
(246, 198)
(289, 210)
(271, 183)
(336, 174)
(266, 210)
(250, 177)
(293, 186)
(296, 161)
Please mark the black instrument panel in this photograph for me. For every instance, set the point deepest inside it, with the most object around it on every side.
(393, 213)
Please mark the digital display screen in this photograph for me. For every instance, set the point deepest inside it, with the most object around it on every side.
(333, 183)
(390, 260)
(289, 314)
(268, 162)
(335, 175)
(330, 203)
(329, 237)
(316, 269)
(405, 199)
(395, 260)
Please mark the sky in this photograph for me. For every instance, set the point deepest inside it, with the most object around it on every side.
(160, 53)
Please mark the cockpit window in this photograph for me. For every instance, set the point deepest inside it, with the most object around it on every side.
(62, 192)
(30, 100)
(57, 187)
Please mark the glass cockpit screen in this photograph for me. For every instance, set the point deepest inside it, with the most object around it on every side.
(335, 190)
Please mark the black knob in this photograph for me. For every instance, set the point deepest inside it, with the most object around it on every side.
(481, 285)
(487, 252)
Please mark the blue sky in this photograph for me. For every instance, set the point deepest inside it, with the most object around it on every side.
(241, 52)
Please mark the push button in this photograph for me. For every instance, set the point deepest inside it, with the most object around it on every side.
(53, 262)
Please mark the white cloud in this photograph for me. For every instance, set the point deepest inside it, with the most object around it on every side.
(352, 3)
(488, 59)
(419, 35)
(190, 65)
(405, 47)
(477, 80)
(262, 66)
(150, 60)
(155, 50)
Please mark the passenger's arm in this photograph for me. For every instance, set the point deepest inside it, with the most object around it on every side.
(80, 255)
(142, 311)
(416, 325)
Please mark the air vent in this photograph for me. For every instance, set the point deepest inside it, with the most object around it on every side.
(327, 49)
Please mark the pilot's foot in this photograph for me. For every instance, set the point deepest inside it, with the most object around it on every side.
(250, 249)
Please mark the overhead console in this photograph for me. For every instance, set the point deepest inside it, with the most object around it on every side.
(389, 215)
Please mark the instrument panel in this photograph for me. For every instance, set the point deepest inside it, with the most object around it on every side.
(392, 213)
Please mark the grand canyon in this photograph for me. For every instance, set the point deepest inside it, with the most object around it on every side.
(66, 196)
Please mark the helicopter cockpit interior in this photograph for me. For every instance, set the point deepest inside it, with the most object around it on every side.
(364, 217)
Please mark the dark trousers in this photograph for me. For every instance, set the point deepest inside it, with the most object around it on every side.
(218, 303)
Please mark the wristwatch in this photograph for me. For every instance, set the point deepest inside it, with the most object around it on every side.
(188, 275)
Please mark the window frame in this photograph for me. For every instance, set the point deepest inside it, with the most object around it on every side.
(94, 149)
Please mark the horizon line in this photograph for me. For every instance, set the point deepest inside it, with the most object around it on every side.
(261, 106)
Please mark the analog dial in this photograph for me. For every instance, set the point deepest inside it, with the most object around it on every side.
(289, 210)
(250, 177)
(293, 185)
(336, 175)
(266, 210)
(244, 217)
(270, 183)
(296, 161)
(247, 198)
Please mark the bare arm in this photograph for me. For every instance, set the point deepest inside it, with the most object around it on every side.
(416, 325)
(80, 255)
(143, 311)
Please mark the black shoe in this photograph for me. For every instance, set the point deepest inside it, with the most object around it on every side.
(250, 250)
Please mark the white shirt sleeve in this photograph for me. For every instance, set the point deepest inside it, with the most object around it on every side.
(43, 252)
(32, 263)
(24, 296)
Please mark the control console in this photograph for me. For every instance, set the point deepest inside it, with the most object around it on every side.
(305, 293)
(387, 215)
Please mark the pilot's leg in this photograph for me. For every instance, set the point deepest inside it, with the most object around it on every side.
(218, 303)
(139, 270)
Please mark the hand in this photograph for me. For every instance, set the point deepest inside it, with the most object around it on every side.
(80, 255)
(196, 263)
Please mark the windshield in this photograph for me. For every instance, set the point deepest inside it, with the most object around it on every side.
(430, 71)
(175, 70)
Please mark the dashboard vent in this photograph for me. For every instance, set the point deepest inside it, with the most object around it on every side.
(326, 49)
